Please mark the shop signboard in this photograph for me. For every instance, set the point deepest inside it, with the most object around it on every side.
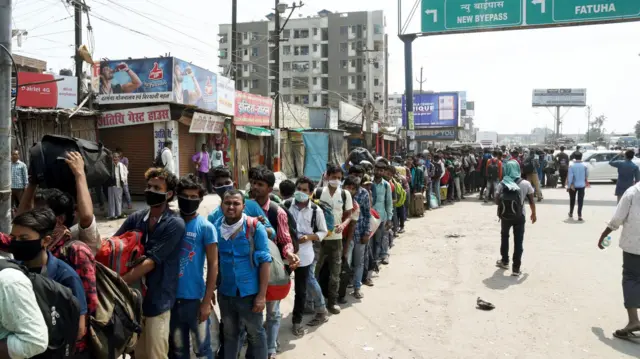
(193, 85)
(163, 131)
(206, 123)
(349, 113)
(252, 110)
(226, 95)
(134, 116)
(136, 81)
(53, 94)
(432, 110)
(436, 134)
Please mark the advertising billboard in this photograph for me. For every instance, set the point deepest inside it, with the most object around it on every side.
(193, 85)
(433, 110)
(252, 110)
(349, 113)
(54, 94)
(226, 96)
(206, 123)
(136, 81)
(560, 97)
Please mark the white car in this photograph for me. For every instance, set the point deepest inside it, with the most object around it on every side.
(598, 164)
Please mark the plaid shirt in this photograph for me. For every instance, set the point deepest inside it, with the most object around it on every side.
(362, 226)
(19, 177)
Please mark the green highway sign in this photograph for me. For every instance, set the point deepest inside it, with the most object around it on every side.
(456, 16)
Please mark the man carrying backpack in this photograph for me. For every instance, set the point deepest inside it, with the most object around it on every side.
(311, 229)
(191, 314)
(165, 157)
(163, 231)
(493, 174)
(531, 165)
(562, 161)
(510, 197)
(262, 182)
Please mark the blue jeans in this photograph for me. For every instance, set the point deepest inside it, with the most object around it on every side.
(380, 243)
(315, 298)
(185, 325)
(272, 325)
(236, 313)
(358, 262)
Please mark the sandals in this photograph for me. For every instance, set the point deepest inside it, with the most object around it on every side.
(626, 334)
(318, 319)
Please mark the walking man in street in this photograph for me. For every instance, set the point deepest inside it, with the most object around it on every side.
(628, 215)
(628, 172)
(202, 162)
(562, 161)
(531, 166)
(577, 182)
(510, 196)
(19, 178)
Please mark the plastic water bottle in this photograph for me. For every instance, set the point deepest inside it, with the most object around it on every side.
(606, 242)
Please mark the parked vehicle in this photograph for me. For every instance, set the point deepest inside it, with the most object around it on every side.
(598, 164)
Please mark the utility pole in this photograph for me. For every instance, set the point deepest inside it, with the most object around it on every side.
(407, 39)
(275, 72)
(78, 7)
(234, 43)
(386, 79)
(588, 122)
(558, 122)
(421, 80)
(5, 116)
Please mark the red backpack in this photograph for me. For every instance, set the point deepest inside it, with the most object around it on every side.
(121, 253)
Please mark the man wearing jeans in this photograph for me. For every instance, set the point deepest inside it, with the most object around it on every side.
(361, 234)
(312, 228)
(244, 277)
(512, 182)
(576, 183)
(383, 204)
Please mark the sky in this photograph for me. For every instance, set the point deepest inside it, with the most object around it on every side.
(498, 70)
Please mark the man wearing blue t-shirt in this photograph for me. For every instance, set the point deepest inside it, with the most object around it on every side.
(190, 316)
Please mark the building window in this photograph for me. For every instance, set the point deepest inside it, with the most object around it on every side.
(344, 30)
(255, 83)
(343, 47)
(305, 99)
(223, 53)
(254, 52)
(315, 47)
(246, 83)
(353, 79)
(245, 67)
(315, 97)
(286, 66)
(376, 64)
(286, 50)
(343, 80)
(254, 36)
(223, 39)
(354, 29)
(301, 50)
(246, 51)
(315, 31)
(254, 68)
(377, 29)
(344, 64)
(353, 63)
(376, 82)
(286, 82)
(301, 34)
(315, 64)
(286, 34)
(315, 80)
(300, 66)
(245, 35)
(286, 98)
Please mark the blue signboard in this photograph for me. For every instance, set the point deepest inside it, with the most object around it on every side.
(136, 81)
(433, 110)
(193, 85)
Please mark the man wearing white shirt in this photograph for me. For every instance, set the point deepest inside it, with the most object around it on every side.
(627, 215)
(312, 228)
(167, 156)
(217, 157)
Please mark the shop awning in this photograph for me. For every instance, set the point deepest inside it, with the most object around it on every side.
(255, 131)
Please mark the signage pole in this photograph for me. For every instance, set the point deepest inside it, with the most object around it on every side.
(557, 122)
(407, 39)
(275, 72)
(78, 32)
(5, 116)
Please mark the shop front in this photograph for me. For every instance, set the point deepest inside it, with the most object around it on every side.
(212, 130)
(140, 133)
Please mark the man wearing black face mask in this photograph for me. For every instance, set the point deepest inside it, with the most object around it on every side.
(190, 316)
(30, 235)
(163, 231)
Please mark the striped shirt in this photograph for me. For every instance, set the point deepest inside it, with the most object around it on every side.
(19, 176)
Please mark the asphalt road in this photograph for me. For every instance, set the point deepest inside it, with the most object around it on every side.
(565, 305)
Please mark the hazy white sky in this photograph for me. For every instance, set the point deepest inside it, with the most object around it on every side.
(498, 70)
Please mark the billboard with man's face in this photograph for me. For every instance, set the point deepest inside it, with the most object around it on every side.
(136, 81)
(193, 85)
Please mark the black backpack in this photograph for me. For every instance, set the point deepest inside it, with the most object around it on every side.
(437, 172)
(272, 215)
(510, 205)
(47, 162)
(59, 308)
(529, 167)
(492, 171)
(158, 161)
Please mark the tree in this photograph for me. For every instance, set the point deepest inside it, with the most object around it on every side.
(638, 129)
(66, 72)
(596, 129)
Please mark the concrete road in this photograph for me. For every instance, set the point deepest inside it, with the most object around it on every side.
(566, 304)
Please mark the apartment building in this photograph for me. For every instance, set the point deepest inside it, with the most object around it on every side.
(324, 59)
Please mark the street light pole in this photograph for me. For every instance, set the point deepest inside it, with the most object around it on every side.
(588, 122)
(5, 116)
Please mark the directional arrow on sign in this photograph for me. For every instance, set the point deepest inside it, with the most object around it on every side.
(433, 12)
(542, 4)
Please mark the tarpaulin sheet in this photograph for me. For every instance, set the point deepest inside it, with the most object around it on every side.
(316, 154)
(336, 152)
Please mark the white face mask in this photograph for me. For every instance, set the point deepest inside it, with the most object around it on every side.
(334, 183)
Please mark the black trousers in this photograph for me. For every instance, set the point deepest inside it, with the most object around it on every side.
(301, 279)
(518, 239)
(563, 176)
(572, 200)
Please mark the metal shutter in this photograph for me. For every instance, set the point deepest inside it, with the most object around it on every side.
(187, 142)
